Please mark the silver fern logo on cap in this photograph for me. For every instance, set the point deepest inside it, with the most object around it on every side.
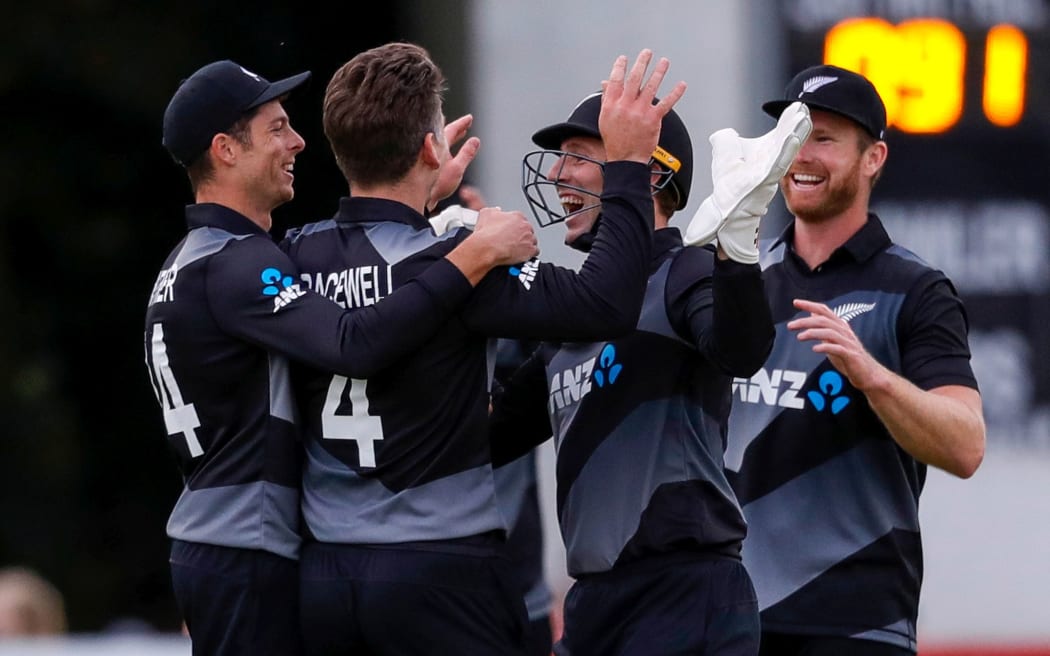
(814, 83)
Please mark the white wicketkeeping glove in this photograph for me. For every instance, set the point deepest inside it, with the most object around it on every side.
(454, 216)
(746, 173)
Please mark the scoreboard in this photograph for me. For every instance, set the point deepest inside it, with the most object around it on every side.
(966, 85)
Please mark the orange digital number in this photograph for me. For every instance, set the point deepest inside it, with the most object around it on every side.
(868, 46)
(1005, 59)
(919, 68)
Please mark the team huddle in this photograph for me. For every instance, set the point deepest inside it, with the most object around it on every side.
(742, 426)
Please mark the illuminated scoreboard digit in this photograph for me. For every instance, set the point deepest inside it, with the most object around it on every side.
(919, 66)
(966, 85)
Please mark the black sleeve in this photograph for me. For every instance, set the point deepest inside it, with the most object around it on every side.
(254, 293)
(720, 305)
(519, 419)
(932, 331)
(542, 301)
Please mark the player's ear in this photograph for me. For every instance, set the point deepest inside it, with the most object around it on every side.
(223, 149)
(430, 152)
(874, 157)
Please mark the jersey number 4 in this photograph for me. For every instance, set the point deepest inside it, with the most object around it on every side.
(359, 426)
(179, 417)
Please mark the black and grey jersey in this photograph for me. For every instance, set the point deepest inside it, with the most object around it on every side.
(517, 490)
(639, 422)
(402, 455)
(225, 314)
(830, 499)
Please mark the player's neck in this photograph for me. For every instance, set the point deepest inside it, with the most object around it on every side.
(660, 220)
(410, 190)
(237, 200)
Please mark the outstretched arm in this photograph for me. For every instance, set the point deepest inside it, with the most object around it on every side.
(720, 306)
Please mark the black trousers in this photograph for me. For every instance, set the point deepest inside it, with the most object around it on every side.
(237, 601)
(372, 601)
(674, 604)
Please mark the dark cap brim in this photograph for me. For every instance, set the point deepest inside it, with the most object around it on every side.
(280, 88)
(552, 136)
(776, 107)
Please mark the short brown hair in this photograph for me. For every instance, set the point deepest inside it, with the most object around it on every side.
(202, 169)
(378, 109)
(667, 199)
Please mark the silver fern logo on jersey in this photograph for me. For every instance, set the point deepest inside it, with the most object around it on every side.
(849, 311)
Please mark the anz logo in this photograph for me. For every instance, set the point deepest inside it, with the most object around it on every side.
(283, 288)
(779, 387)
(831, 384)
(571, 385)
(783, 388)
(526, 273)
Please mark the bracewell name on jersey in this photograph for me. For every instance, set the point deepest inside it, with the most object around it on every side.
(353, 286)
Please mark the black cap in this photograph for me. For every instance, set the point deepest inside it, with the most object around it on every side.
(835, 90)
(213, 99)
(675, 150)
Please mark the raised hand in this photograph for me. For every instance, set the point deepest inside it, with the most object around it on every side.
(452, 171)
(629, 120)
(835, 339)
(746, 173)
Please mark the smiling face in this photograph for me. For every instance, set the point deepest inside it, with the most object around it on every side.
(833, 171)
(586, 180)
(266, 163)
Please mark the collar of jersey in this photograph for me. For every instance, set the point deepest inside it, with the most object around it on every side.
(219, 216)
(665, 240)
(871, 239)
(371, 210)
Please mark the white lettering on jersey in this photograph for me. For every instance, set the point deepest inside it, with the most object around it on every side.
(164, 287)
(352, 287)
(570, 386)
(779, 387)
(358, 426)
(527, 273)
(286, 296)
(179, 416)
